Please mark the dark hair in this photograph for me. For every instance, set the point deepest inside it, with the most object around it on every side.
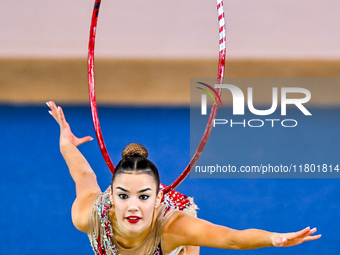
(135, 161)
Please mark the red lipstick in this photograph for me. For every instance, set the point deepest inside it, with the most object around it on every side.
(133, 219)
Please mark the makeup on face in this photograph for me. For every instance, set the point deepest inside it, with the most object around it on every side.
(134, 197)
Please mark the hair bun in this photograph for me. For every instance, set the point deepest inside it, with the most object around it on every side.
(134, 149)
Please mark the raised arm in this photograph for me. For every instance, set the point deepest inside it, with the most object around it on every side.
(183, 229)
(85, 179)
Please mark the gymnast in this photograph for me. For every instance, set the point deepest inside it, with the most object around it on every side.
(133, 218)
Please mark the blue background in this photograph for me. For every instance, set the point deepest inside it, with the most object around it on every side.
(37, 191)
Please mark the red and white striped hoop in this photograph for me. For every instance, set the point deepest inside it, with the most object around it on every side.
(213, 112)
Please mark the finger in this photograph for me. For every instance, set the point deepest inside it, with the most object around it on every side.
(52, 114)
(49, 104)
(310, 232)
(62, 116)
(299, 234)
(313, 230)
(84, 140)
(52, 105)
(53, 111)
(311, 238)
(54, 108)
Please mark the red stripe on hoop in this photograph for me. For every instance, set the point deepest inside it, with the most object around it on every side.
(221, 17)
(222, 28)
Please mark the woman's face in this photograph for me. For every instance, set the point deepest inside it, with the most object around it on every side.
(134, 198)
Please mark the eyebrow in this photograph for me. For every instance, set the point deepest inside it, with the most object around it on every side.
(141, 191)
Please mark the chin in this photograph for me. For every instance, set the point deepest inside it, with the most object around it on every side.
(135, 230)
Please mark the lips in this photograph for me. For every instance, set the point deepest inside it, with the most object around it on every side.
(133, 219)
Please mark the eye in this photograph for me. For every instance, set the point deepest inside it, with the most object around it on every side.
(123, 196)
(144, 197)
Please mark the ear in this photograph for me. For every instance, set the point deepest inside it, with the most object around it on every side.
(111, 195)
(159, 198)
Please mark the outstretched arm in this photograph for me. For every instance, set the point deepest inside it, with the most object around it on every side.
(183, 229)
(87, 187)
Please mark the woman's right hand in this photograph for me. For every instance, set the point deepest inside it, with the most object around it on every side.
(66, 134)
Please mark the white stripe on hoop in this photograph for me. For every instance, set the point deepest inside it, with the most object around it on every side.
(221, 22)
(222, 46)
(222, 34)
(220, 10)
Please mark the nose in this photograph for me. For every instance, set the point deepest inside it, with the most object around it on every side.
(133, 205)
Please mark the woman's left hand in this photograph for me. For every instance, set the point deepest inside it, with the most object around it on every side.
(294, 238)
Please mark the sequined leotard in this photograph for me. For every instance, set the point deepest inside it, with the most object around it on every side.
(101, 228)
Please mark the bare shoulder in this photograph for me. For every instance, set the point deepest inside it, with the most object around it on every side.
(175, 217)
(170, 231)
(183, 229)
(81, 207)
(177, 231)
(182, 223)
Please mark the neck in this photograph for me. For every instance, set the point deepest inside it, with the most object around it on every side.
(129, 242)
